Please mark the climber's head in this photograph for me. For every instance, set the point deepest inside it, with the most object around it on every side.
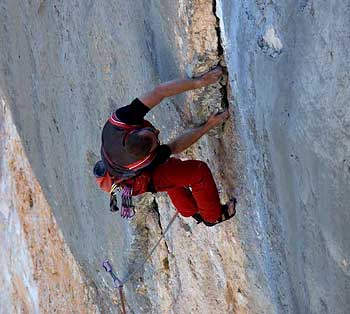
(140, 143)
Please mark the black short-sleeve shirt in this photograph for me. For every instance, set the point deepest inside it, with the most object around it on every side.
(134, 114)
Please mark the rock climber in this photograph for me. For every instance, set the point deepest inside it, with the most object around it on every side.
(134, 160)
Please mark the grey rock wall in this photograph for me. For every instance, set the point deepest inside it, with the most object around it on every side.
(64, 66)
(38, 274)
(290, 75)
(61, 63)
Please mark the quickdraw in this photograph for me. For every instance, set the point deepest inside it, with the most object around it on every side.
(127, 208)
(118, 283)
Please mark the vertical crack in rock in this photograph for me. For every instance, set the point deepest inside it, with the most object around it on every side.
(221, 53)
(156, 209)
(156, 273)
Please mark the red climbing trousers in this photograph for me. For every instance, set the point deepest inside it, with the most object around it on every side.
(191, 187)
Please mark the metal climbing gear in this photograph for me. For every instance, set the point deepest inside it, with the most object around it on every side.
(118, 283)
(127, 209)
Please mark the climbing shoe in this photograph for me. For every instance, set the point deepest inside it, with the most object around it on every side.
(225, 214)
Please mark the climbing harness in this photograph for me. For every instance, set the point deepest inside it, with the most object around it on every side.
(118, 177)
(118, 283)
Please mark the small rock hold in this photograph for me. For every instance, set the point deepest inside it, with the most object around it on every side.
(270, 43)
(41, 7)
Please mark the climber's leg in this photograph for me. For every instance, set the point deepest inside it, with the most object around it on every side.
(194, 174)
(184, 201)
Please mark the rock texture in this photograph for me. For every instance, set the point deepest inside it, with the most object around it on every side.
(38, 272)
(64, 66)
(289, 70)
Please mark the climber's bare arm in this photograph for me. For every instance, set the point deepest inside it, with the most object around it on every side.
(185, 140)
(175, 87)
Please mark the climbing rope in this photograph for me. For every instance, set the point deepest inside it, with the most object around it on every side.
(119, 284)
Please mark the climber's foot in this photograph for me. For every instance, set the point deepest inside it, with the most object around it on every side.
(227, 212)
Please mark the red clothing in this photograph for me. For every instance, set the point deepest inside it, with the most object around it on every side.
(191, 187)
(189, 183)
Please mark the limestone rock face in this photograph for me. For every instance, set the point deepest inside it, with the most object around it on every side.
(66, 65)
(289, 71)
(38, 271)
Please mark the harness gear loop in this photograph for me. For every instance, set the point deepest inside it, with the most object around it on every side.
(114, 187)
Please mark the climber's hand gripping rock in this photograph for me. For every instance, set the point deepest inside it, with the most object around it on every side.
(217, 118)
(210, 77)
